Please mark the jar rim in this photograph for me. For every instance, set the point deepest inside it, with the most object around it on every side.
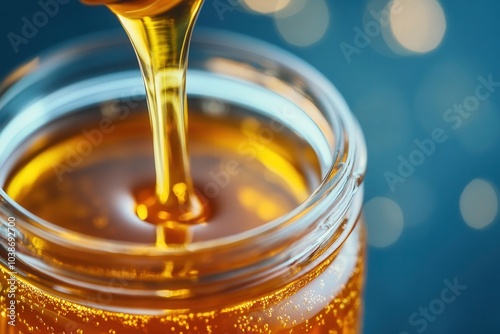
(349, 160)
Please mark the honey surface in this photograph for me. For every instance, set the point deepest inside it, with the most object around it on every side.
(90, 179)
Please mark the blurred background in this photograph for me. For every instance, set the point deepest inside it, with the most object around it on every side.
(423, 78)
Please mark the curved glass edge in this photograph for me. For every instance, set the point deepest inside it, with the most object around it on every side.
(349, 154)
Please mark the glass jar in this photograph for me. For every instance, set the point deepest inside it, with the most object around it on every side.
(300, 273)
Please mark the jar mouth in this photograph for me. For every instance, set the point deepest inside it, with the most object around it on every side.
(340, 181)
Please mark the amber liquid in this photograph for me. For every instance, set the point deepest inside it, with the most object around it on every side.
(136, 185)
(246, 179)
(160, 32)
(312, 304)
(248, 182)
(316, 304)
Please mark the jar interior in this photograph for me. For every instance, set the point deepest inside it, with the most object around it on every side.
(273, 110)
(281, 145)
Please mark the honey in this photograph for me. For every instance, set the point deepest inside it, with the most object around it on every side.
(160, 32)
(246, 180)
(143, 222)
(318, 309)
(95, 197)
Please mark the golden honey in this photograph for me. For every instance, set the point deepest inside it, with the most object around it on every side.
(92, 200)
(161, 225)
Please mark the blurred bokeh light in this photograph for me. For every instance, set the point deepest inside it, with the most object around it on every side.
(266, 6)
(384, 221)
(479, 204)
(418, 26)
(302, 22)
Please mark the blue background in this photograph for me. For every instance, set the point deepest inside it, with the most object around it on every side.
(398, 98)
